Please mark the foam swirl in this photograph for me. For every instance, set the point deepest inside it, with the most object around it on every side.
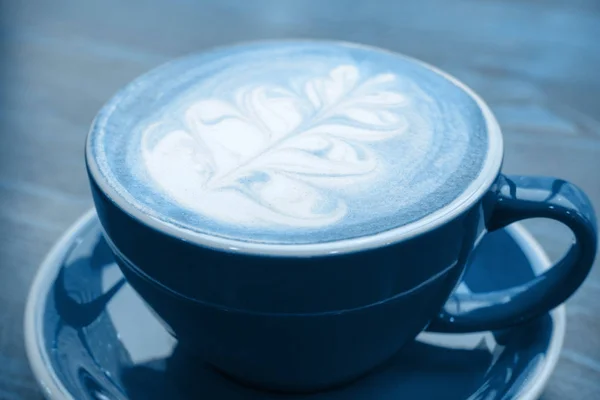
(274, 156)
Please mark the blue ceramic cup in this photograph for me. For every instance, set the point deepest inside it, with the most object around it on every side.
(296, 211)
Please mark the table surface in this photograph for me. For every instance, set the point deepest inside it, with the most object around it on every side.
(536, 63)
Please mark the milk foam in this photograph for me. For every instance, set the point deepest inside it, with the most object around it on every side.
(295, 143)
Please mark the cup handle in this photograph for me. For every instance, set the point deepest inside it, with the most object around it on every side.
(517, 198)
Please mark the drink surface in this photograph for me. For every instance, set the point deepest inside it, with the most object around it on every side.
(291, 142)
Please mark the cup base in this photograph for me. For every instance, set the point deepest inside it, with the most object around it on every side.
(275, 388)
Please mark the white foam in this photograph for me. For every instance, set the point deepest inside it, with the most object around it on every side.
(294, 143)
(274, 156)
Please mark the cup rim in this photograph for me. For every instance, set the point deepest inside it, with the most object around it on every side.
(473, 193)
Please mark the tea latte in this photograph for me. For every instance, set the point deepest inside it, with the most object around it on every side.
(290, 142)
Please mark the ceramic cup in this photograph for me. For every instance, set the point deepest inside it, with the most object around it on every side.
(296, 211)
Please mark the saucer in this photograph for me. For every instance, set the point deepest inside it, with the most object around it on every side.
(89, 336)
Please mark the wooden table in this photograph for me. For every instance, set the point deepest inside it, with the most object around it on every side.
(536, 63)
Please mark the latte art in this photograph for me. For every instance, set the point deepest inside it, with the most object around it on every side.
(295, 142)
(277, 156)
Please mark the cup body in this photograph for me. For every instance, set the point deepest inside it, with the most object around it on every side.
(292, 323)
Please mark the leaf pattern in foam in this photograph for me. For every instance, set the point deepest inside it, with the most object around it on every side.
(274, 155)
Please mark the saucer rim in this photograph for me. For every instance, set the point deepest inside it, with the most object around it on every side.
(53, 388)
